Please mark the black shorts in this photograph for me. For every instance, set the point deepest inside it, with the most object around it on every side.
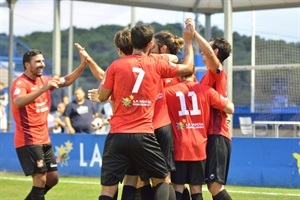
(35, 159)
(189, 172)
(132, 171)
(165, 140)
(218, 152)
(123, 150)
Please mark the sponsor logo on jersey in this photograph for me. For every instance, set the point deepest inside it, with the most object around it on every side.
(127, 101)
(183, 124)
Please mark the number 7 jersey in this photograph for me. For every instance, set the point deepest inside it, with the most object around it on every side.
(134, 82)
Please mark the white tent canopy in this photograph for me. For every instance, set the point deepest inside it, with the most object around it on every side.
(204, 6)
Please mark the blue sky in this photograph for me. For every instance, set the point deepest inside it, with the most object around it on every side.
(37, 15)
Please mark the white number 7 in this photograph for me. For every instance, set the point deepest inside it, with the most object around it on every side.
(139, 79)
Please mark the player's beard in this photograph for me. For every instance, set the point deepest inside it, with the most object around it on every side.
(38, 72)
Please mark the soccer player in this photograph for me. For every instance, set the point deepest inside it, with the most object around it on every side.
(189, 109)
(164, 43)
(133, 82)
(219, 139)
(30, 95)
(122, 41)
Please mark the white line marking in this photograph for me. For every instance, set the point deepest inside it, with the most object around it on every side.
(204, 189)
(60, 181)
(263, 193)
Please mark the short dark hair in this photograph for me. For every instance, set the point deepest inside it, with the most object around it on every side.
(141, 35)
(122, 41)
(223, 46)
(29, 54)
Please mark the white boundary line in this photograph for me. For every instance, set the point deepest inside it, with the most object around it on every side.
(205, 189)
(263, 193)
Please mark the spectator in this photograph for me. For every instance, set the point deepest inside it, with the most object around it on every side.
(3, 95)
(58, 121)
(99, 126)
(80, 113)
(106, 110)
(106, 113)
(3, 104)
(3, 118)
(57, 96)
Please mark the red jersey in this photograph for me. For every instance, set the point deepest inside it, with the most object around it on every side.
(189, 110)
(31, 120)
(134, 82)
(161, 116)
(218, 124)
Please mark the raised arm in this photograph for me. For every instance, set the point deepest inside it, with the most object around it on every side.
(70, 78)
(187, 67)
(212, 61)
(96, 70)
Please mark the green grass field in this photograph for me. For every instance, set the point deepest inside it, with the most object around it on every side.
(16, 187)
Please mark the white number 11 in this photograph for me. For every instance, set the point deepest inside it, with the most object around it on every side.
(183, 110)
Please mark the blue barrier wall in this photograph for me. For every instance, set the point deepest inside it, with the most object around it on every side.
(269, 162)
(76, 154)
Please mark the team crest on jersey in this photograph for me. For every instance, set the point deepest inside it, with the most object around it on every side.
(17, 91)
(181, 125)
(127, 101)
(168, 81)
(62, 153)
